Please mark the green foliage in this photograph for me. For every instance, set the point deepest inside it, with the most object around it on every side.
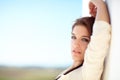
(28, 73)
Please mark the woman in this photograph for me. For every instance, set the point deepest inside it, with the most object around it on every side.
(89, 48)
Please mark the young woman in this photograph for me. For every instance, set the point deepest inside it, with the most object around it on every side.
(88, 47)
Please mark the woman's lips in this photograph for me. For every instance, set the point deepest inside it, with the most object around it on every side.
(76, 52)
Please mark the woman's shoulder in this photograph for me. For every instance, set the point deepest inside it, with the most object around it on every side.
(70, 73)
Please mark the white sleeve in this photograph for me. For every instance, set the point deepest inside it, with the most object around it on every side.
(96, 51)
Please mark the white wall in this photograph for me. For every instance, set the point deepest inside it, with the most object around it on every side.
(112, 70)
(112, 65)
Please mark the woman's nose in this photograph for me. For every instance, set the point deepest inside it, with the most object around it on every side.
(76, 44)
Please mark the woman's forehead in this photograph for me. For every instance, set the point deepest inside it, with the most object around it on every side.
(80, 30)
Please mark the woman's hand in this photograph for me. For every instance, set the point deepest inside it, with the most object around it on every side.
(92, 9)
(93, 5)
(98, 9)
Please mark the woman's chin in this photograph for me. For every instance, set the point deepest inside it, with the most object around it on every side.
(76, 59)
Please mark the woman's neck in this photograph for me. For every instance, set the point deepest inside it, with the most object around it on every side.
(76, 63)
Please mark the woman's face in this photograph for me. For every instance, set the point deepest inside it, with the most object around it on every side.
(80, 39)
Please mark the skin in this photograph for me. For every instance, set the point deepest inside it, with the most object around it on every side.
(97, 8)
(79, 41)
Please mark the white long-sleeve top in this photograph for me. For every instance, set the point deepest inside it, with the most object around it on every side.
(96, 51)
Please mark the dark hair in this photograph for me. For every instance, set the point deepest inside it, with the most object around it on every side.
(85, 21)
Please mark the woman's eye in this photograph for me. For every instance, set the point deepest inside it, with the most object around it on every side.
(73, 37)
(85, 40)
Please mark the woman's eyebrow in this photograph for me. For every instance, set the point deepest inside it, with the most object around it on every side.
(72, 33)
(86, 36)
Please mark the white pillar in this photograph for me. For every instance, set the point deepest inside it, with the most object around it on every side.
(85, 8)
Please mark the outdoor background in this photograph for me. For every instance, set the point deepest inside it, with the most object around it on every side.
(35, 37)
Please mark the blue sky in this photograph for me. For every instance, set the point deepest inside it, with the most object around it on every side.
(37, 32)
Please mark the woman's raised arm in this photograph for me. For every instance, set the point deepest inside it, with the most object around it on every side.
(98, 47)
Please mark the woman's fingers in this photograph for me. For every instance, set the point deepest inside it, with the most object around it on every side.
(92, 9)
(97, 3)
